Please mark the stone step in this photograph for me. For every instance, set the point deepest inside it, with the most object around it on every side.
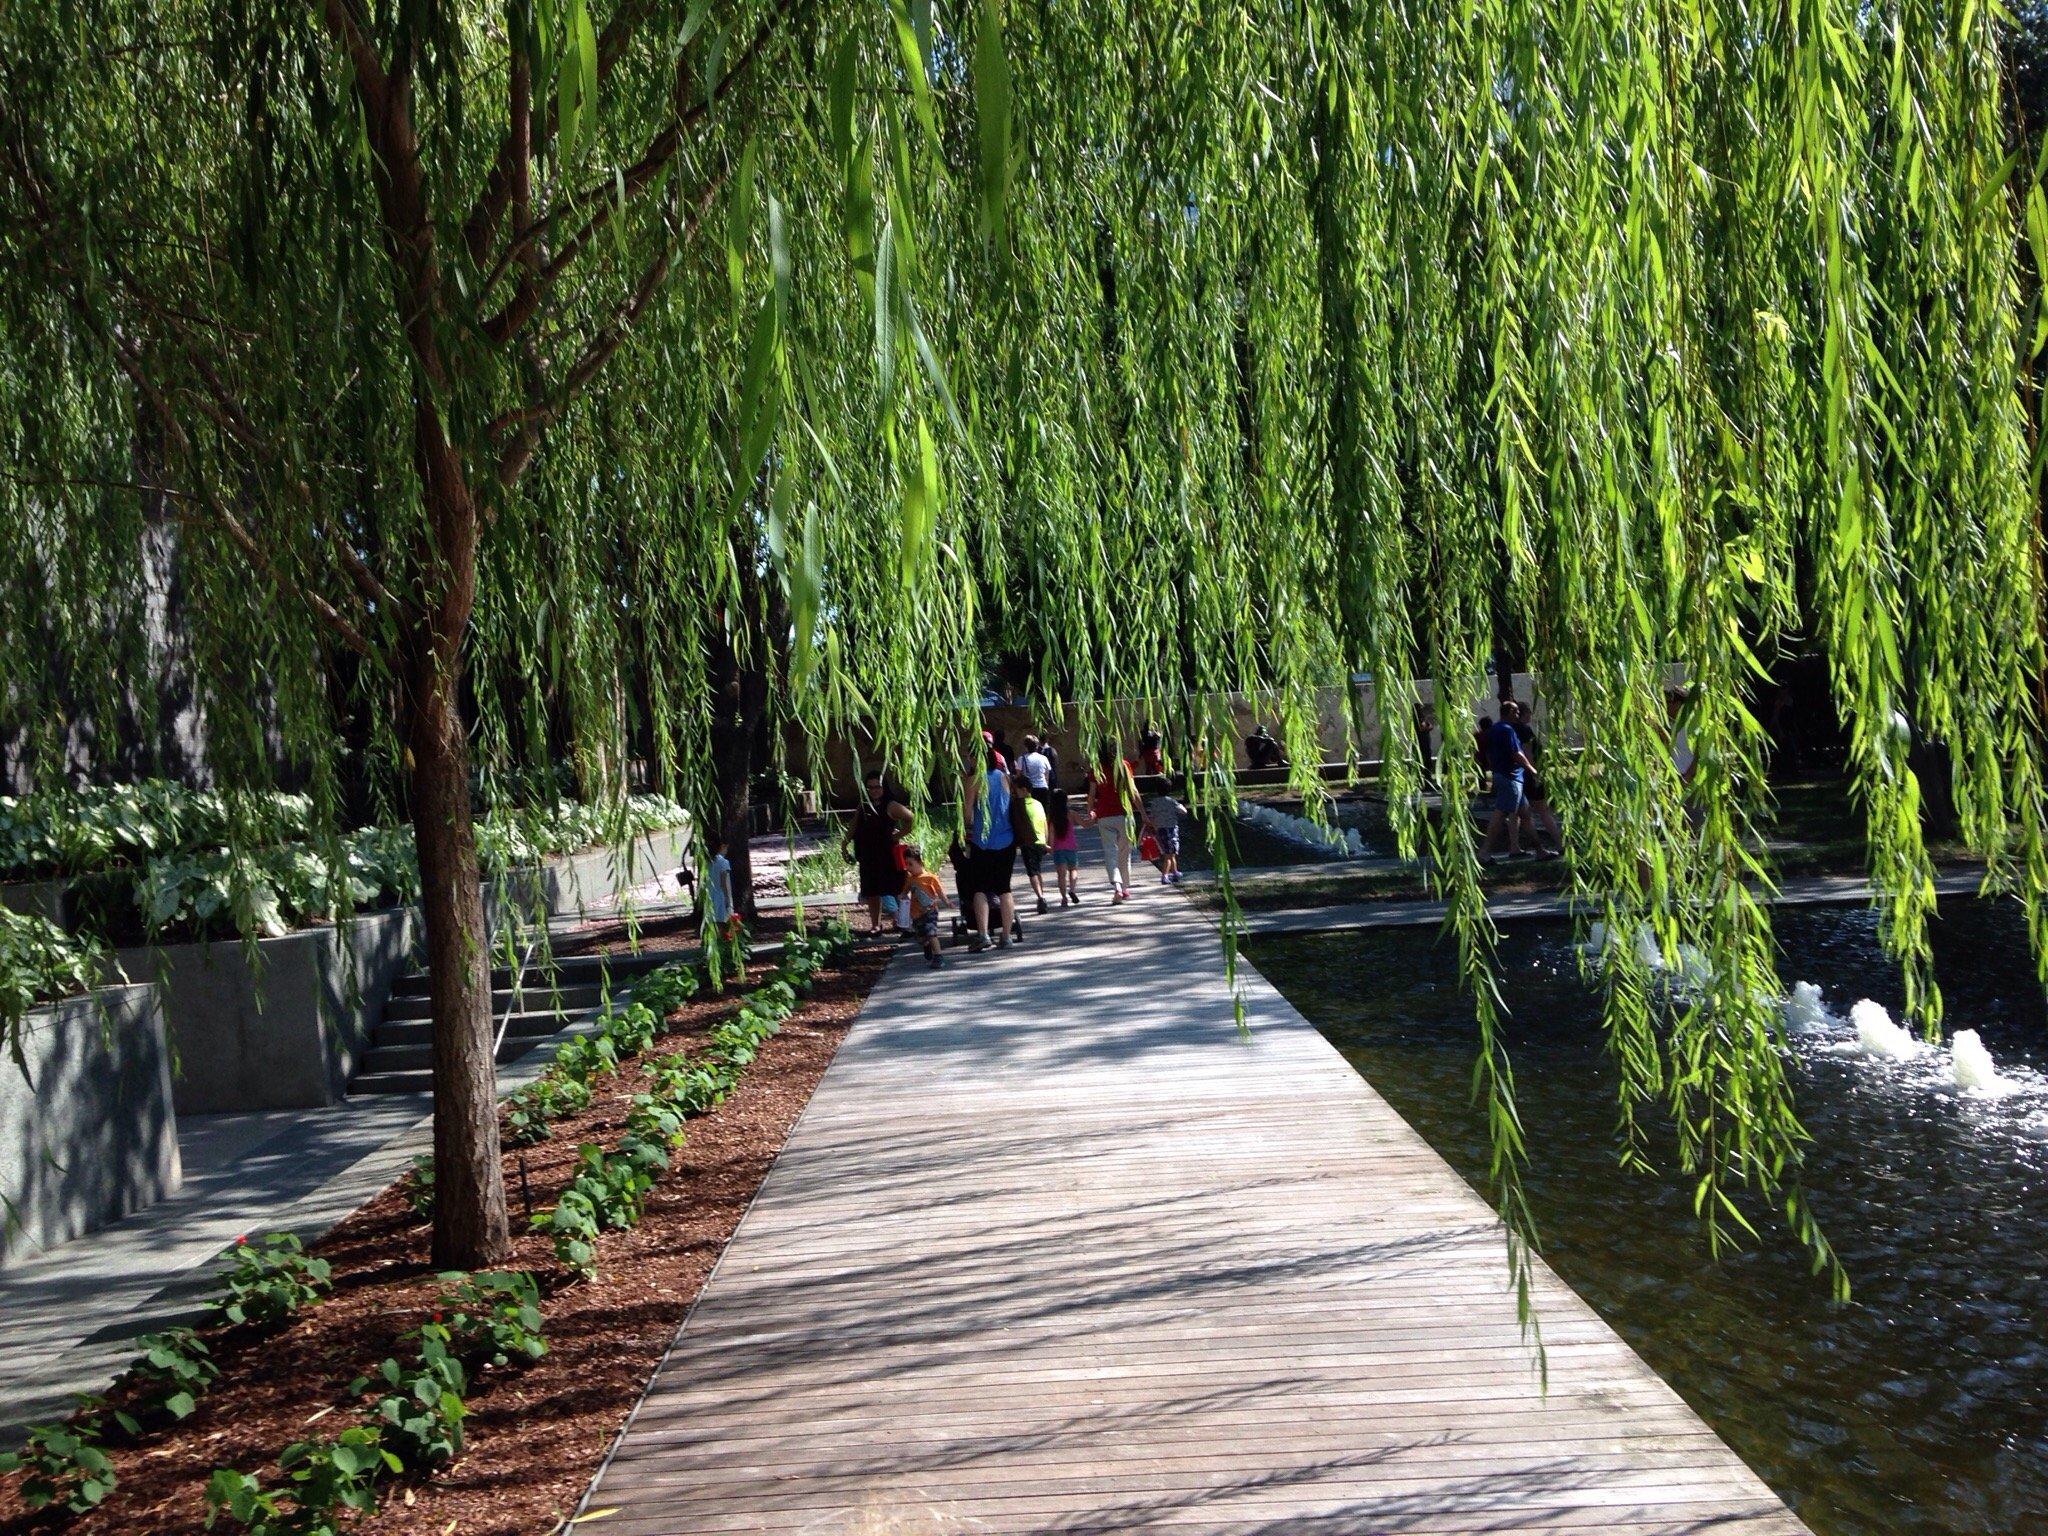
(410, 1058)
(409, 1081)
(534, 995)
(536, 1024)
(568, 970)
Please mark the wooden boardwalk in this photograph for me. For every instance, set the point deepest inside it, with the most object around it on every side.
(1054, 1248)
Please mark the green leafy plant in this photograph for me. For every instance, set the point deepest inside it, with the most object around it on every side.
(529, 1112)
(63, 1464)
(418, 1186)
(573, 1226)
(418, 1408)
(269, 1281)
(492, 1318)
(582, 1057)
(322, 1479)
(667, 989)
(174, 1369)
(631, 1030)
(691, 1084)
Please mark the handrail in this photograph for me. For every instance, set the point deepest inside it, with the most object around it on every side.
(512, 1002)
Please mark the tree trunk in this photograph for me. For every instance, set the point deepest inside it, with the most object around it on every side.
(738, 702)
(470, 1226)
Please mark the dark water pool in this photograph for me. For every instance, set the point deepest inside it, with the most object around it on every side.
(1920, 1406)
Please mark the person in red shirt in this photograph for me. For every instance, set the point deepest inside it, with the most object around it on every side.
(1112, 799)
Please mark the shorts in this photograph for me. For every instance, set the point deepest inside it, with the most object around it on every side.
(1168, 839)
(1507, 793)
(1034, 860)
(926, 924)
(1066, 858)
(990, 870)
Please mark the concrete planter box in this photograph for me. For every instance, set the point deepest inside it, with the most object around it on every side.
(288, 1033)
(91, 1135)
(284, 1034)
(574, 883)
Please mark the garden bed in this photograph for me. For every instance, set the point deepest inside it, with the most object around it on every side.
(535, 1436)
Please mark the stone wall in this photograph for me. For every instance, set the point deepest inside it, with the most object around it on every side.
(90, 1134)
(287, 1031)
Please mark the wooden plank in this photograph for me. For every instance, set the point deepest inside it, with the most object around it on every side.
(1056, 1248)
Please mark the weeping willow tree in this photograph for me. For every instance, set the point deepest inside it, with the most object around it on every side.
(564, 371)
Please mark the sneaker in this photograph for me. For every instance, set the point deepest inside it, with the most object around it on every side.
(1042, 907)
(1017, 929)
(1165, 878)
(976, 943)
(936, 962)
(1177, 876)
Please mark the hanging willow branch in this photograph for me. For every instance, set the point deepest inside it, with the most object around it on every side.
(634, 363)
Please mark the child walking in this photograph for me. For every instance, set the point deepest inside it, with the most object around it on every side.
(927, 900)
(1163, 816)
(1028, 821)
(1066, 852)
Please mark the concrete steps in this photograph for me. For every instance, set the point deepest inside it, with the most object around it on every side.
(548, 999)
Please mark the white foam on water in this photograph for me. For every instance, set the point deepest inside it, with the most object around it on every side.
(1648, 955)
(1878, 1034)
(1973, 1069)
(1805, 1011)
(1336, 842)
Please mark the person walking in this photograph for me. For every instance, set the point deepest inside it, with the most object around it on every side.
(1029, 826)
(1066, 851)
(1112, 800)
(1535, 795)
(875, 841)
(992, 851)
(1036, 768)
(1505, 757)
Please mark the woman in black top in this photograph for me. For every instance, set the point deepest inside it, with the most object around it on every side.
(876, 843)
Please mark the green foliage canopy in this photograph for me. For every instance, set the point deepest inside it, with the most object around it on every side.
(1188, 347)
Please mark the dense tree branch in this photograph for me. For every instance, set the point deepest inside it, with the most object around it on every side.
(602, 197)
(525, 426)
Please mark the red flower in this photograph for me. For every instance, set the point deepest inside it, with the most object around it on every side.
(242, 1241)
(437, 1314)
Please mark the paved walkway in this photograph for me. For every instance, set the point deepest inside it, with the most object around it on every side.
(68, 1317)
(1055, 1248)
(1806, 891)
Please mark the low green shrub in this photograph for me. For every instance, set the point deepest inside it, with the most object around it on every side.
(324, 1479)
(172, 1371)
(667, 989)
(572, 1224)
(418, 1410)
(631, 1030)
(63, 1464)
(492, 1319)
(39, 963)
(582, 1057)
(548, 1098)
(689, 1084)
(270, 1281)
(418, 1186)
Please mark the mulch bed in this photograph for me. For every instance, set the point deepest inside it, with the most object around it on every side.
(534, 1437)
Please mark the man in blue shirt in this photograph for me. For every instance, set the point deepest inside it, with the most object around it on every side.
(1507, 760)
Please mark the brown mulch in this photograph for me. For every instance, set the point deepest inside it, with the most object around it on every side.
(535, 1437)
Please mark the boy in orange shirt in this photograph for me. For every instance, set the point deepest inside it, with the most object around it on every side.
(927, 899)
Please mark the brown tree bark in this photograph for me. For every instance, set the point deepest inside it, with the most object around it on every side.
(471, 1230)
